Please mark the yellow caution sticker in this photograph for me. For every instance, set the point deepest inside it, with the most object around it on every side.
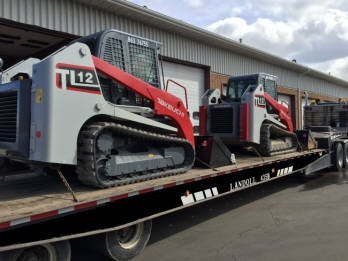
(39, 96)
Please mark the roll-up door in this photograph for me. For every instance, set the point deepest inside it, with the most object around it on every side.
(190, 77)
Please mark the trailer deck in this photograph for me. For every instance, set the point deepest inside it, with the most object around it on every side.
(29, 198)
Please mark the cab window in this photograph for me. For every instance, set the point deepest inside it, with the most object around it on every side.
(237, 87)
(270, 88)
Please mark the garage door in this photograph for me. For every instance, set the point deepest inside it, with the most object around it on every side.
(190, 77)
(282, 98)
(285, 99)
(20, 41)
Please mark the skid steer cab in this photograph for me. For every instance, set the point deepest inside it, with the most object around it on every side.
(249, 115)
(97, 105)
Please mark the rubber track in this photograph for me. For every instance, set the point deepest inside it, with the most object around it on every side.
(265, 143)
(86, 163)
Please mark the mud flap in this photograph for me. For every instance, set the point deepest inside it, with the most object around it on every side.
(213, 152)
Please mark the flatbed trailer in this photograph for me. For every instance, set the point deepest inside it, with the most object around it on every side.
(37, 210)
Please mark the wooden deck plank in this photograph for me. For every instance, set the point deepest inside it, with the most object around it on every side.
(31, 194)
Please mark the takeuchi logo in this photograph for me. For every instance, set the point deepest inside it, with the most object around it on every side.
(170, 107)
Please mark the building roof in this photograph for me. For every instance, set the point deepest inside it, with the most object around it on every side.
(148, 16)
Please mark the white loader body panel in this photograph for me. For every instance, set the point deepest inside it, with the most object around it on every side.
(65, 94)
(255, 97)
(50, 140)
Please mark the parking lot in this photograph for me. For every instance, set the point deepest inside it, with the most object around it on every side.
(287, 219)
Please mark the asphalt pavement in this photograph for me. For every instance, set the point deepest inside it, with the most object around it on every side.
(287, 219)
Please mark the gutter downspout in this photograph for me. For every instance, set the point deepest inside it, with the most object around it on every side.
(299, 98)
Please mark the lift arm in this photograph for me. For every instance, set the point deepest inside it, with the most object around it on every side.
(165, 103)
(282, 111)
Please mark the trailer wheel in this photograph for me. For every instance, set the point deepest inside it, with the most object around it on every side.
(59, 251)
(338, 156)
(126, 243)
(345, 155)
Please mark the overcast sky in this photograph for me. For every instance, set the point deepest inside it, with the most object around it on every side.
(314, 32)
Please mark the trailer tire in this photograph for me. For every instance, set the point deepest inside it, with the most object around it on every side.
(124, 244)
(59, 251)
(338, 157)
(345, 155)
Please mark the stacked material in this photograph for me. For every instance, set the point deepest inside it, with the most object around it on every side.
(328, 114)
